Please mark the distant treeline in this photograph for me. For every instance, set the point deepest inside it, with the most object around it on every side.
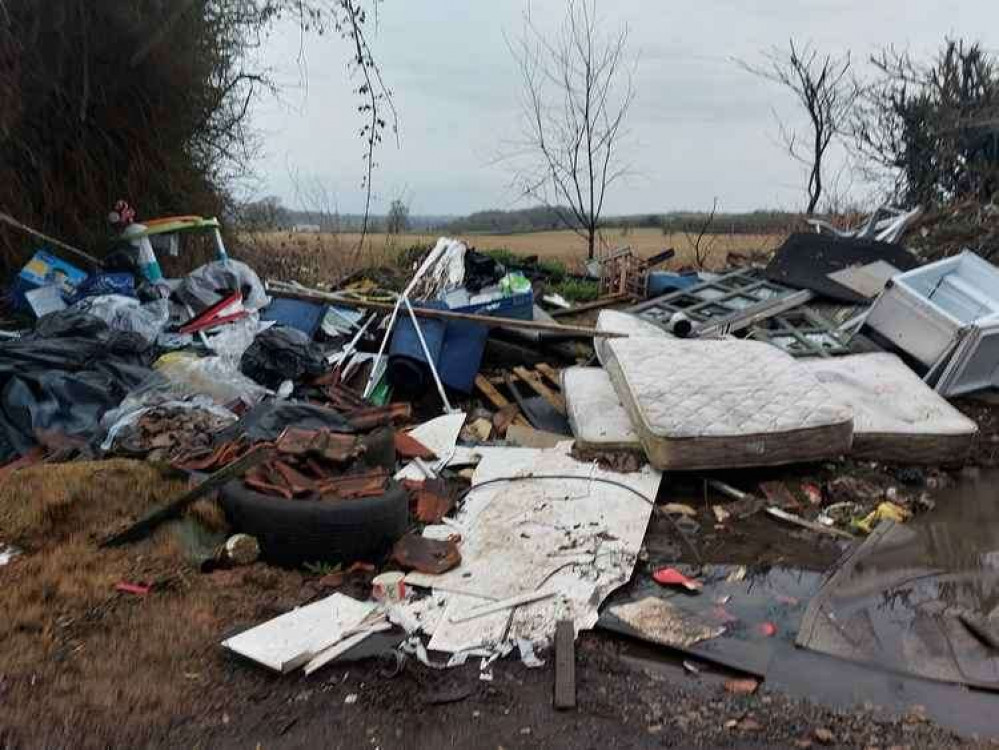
(270, 214)
(542, 218)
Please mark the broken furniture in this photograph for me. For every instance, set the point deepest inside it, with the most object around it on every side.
(805, 261)
(945, 315)
(621, 272)
(723, 304)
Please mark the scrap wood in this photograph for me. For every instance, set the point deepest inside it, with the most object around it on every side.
(10, 220)
(810, 525)
(504, 418)
(278, 290)
(779, 494)
(565, 665)
(613, 299)
(488, 390)
(145, 525)
(536, 384)
(551, 373)
(528, 437)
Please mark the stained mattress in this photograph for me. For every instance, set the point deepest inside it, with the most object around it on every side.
(622, 322)
(705, 404)
(598, 419)
(897, 417)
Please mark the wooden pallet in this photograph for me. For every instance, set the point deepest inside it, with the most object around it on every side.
(542, 379)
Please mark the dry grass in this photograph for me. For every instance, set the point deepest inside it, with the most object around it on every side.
(83, 660)
(324, 258)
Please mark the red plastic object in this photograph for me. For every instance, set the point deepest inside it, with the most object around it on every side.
(226, 311)
(673, 577)
(139, 589)
(768, 629)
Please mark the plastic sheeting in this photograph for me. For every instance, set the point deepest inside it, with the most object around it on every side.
(280, 354)
(269, 419)
(202, 287)
(127, 314)
(57, 387)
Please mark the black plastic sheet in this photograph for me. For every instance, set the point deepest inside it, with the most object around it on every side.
(280, 354)
(56, 383)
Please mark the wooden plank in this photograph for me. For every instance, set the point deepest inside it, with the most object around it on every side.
(497, 399)
(613, 299)
(148, 523)
(534, 381)
(276, 289)
(551, 373)
(565, 665)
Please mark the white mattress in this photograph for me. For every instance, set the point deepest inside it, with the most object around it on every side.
(897, 417)
(621, 322)
(597, 417)
(706, 404)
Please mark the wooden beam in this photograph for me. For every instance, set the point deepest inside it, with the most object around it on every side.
(496, 398)
(613, 299)
(148, 523)
(310, 295)
(551, 373)
(533, 380)
(565, 665)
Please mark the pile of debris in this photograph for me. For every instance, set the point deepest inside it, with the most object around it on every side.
(501, 481)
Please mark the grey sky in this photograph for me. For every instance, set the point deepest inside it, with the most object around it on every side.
(700, 127)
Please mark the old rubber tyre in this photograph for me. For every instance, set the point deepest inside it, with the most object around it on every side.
(292, 532)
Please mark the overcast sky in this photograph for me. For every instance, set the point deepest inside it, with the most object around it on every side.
(700, 127)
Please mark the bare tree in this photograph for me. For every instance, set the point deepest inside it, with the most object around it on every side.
(701, 253)
(822, 87)
(576, 94)
(397, 220)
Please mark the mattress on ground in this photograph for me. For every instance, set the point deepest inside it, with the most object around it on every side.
(626, 323)
(597, 417)
(713, 404)
(896, 416)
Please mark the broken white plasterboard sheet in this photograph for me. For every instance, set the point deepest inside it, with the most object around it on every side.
(661, 622)
(439, 435)
(868, 280)
(579, 535)
(292, 639)
(598, 419)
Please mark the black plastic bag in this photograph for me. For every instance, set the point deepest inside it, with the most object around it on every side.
(280, 354)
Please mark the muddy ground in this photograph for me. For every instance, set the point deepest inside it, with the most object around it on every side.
(86, 665)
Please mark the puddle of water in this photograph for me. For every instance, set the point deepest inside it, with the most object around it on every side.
(910, 591)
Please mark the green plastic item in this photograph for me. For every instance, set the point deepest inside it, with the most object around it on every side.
(515, 283)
